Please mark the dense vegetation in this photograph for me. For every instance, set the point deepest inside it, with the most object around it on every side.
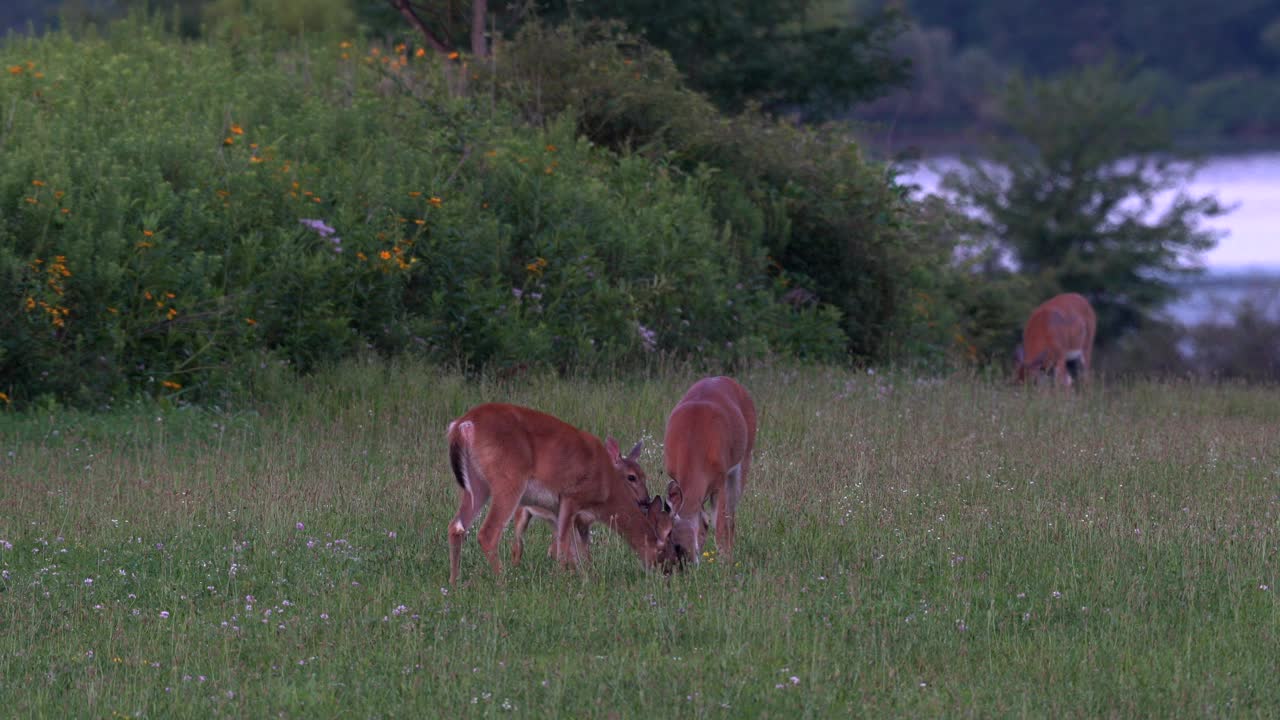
(183, 216)
(945, 548)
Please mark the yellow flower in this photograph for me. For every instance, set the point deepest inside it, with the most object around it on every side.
(255, 159)
(15, 69)
(170, 295)
(384, 255)
(4, 398)
(453, 55)
(435, 201)
(415, 193)
(250, 321)
(420, 52)
(173, 313)
(112, 310)
(38, 183)
(229, 140)
(172, 385)
(57, 194)
(148, 233)
(31, 201)
(419, 221)
(236, 129)
(551, 148)
(344, 45)
(144, 245)
(361, 256)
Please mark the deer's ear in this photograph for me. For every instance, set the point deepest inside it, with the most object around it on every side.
(635, 450)
(611, 447)
(675, 493)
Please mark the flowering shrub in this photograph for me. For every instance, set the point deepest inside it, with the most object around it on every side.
(186, 218)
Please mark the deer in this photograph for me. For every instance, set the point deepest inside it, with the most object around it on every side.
(707, 454)
(524, 458)
(1058, 339)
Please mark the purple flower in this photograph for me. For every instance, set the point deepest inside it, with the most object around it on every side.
(164, 614)
(648, 338)
(319, 226)
(300, 526)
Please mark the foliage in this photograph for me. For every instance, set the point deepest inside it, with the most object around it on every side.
(837, 227)
(1242, 344)
(185, 218)
(240, 18)
(782, 54)
(1087, 198)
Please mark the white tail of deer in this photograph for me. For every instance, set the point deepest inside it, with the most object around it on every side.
(520, 457)
(707, 453)
(1058, 339)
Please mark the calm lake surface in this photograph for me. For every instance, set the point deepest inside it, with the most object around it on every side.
(1246, 262)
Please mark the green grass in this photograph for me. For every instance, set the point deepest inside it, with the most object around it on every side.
(906, 548)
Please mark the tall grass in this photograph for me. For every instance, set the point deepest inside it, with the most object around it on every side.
(906, 547)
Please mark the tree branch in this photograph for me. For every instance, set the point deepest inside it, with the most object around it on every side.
(406, 9)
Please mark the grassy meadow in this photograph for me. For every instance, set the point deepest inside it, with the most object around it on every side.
(907, 547)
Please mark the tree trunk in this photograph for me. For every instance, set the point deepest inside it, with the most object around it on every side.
(479, 14)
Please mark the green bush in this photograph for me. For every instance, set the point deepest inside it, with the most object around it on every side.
(187, 218)
(834, 223)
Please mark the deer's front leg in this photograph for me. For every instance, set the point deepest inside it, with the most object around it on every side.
(565, 532)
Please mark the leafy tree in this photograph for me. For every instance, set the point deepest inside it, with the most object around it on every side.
(1086, 197)
(782, 54)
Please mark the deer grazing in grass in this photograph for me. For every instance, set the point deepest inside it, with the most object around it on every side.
(707, 454)
(521, 457)
(1058, 340)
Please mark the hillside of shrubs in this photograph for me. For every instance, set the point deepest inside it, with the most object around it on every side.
(183, 218)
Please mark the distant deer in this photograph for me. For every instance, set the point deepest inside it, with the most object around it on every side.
(1058, 339)
(707, 453)
(522, 457)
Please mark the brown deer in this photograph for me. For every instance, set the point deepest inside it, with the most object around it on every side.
(1058, 339)
(521, 457)
(707, 453)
